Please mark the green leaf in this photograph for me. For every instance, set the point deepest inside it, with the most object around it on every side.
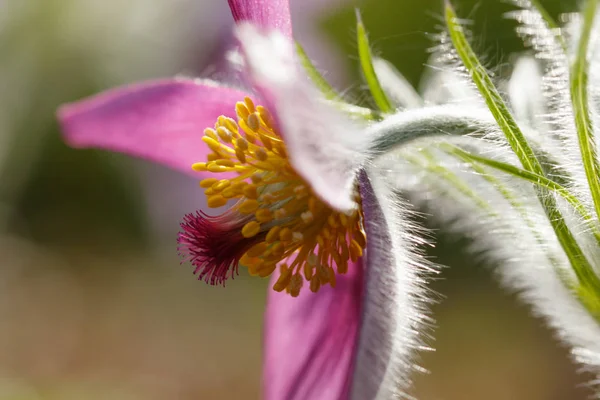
(589, 281)
(320, 82)
(490, 94)
(579, 97)
(366, 62)
(531, 177)
(550, 22)
(545, 14)
(513, 200)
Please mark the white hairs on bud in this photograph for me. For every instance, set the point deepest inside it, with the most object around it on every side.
(396, 299)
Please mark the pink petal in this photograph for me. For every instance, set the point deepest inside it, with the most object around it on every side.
(162, 121)
(270, 14)
(310, 340)
(394, 300)
(326, 148)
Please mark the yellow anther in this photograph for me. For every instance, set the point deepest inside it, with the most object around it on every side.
(266, 270)
(307, 217)
(308, 271)
(355, 250)
(239, 186)
(360, 237)
(300, 191)
(220, 185)
(211, 133)
(251, 229)
(342, 267)
(241, 144)
(285, 275)
(250, 191)
(265, 141)
(332, 279)
(249, 104)
(225, 134)
(241, 110)
(208, 182)
(285, 235)
(263, 215)
(323, 274)
(281, 150)
(229, 192)
(253, 122)
(336, 258)
(313, 204)
(249, 206)
(344, 250)
(257, 250)
(199, 166)
(261, 155)
(320, 240)
(212, 143)
(276, 206)
(344, 220)
(250, 137)
(214, 167)
(315, 284)
(332, 221)
(221, 121)
(216, 201)
(265, 116)
(240, 155)
(231, 125)
(281, 213)
(249, 261)
(276, 251)
(273, 234)
(295, 285)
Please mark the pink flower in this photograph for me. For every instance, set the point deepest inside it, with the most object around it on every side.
(297, 166)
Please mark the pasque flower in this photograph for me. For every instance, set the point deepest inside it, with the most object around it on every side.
(309, 210)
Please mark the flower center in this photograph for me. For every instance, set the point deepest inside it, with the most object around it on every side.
(277, 220)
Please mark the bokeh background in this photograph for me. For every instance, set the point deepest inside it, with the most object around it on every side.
(93, 302)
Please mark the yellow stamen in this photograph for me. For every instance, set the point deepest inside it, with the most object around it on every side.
(277, 209)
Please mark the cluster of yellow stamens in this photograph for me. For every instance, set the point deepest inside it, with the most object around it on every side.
(277, 213)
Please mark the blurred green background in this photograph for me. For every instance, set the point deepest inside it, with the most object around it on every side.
(93, 302)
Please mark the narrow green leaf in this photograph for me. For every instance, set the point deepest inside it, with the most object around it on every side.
(531, 177)
(320, 82)
(366, 62)
(490, 94)
(550, 23)
(584, 271)
(579, 97)
(513, 200)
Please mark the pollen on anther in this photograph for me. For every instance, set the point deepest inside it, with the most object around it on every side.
(275, 217)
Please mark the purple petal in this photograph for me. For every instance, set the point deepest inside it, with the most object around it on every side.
(326, 148)
(270, 14)
(393, 306)
(310, 340)
(162, 121)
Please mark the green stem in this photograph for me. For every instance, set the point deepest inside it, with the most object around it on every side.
(579, 97)
(366, 61)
